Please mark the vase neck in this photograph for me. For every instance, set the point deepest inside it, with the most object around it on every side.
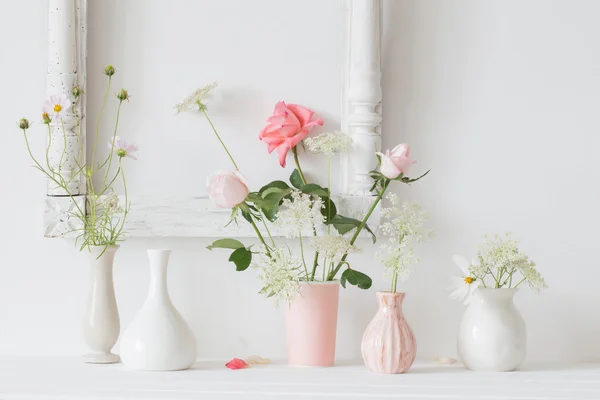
(159, 260)
(494, 296)
(102, 259)
(390, 301)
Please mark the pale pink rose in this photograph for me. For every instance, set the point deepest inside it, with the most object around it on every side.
(289, 124)
(227, 189)
(396, 162)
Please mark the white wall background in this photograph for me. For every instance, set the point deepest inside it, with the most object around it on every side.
(499, 98)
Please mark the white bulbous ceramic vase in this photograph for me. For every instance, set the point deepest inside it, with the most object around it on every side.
(158, 339)
(101, 325)
(492, 334)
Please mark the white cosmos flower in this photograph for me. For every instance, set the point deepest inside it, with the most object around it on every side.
(55, 105)
(197, 99)
(463, 286)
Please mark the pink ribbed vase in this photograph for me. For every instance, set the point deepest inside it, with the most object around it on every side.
(311, 325)
(388, 344)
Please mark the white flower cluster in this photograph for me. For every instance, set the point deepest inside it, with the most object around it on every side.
(502, 255)
(329, 143)
(196, 99)
(333, 246)
(403, 226)
(300, 214)
(280, 274)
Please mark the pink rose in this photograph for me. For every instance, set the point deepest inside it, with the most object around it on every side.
(396, 162)
(227, 189)
(289, 124)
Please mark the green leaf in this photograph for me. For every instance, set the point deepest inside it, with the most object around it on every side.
(345, 224)
(242, 258)
(225, 244)
(296, 179)
(254, 197)
(355, 278)
(274, 184)
(329, 210)
(408, 180)
(247, 216)
(270, 207)
(313, 188)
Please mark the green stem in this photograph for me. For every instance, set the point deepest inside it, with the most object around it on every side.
(521, 281)
(219, 137)
(314, 269)
(260, 236)
(302, 253)
(360, 228)
(394, 281)
(267, 228)
(98, 125)
(112, 151)
(329, 197)
(297, 161)
(62, 156)
(48, 149)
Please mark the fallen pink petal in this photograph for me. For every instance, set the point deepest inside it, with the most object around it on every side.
(445, 360)
(258, 360)
(237, 363)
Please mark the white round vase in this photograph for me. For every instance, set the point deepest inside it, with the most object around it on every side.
(158, 339)
(101, 326)
(492, 334)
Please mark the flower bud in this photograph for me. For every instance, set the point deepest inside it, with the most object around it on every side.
(109, 71)
(46, 118)
(23, 123)
(77, 91)
(123, 95)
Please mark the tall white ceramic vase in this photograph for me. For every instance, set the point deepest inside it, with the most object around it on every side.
(158, 339)
(492, 334)
(101, 324)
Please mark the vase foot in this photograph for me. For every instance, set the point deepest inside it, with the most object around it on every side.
(101, 358)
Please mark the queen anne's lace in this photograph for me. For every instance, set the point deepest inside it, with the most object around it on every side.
(280, 273)
(333, 246)
(300, 214)
(196, 99)
(329, 143)
(403, 226)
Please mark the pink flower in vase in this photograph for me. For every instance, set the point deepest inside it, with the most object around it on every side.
(289, 124)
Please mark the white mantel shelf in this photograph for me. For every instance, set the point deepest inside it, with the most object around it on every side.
(69, 378)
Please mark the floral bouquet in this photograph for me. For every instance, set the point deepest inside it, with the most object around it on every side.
(102, 218)
(300, 208)
(499, 264)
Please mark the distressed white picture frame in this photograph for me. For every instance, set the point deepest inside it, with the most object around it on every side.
(197, 216)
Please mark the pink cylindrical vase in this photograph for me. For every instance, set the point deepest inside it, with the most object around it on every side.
(388, 344)
(311, 325)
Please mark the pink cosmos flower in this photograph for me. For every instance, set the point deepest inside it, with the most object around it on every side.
(122, 148)
(55, 105)
(289, 124)
(227, 189)
(237, 363)
(396, 162)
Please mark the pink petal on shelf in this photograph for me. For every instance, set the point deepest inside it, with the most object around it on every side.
(445, 360)
(237, 363)
(257, 360)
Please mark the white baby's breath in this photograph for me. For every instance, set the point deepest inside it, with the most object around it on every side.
(300, 214)
(329, 143)
(279, 273)
(403, 226)
(197, 99)
(333, 246)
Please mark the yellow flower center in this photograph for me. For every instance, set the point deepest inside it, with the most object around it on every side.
(469, 280)
(57, 108)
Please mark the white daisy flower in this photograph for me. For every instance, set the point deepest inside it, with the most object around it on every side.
(463, 286)
(55, 105)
